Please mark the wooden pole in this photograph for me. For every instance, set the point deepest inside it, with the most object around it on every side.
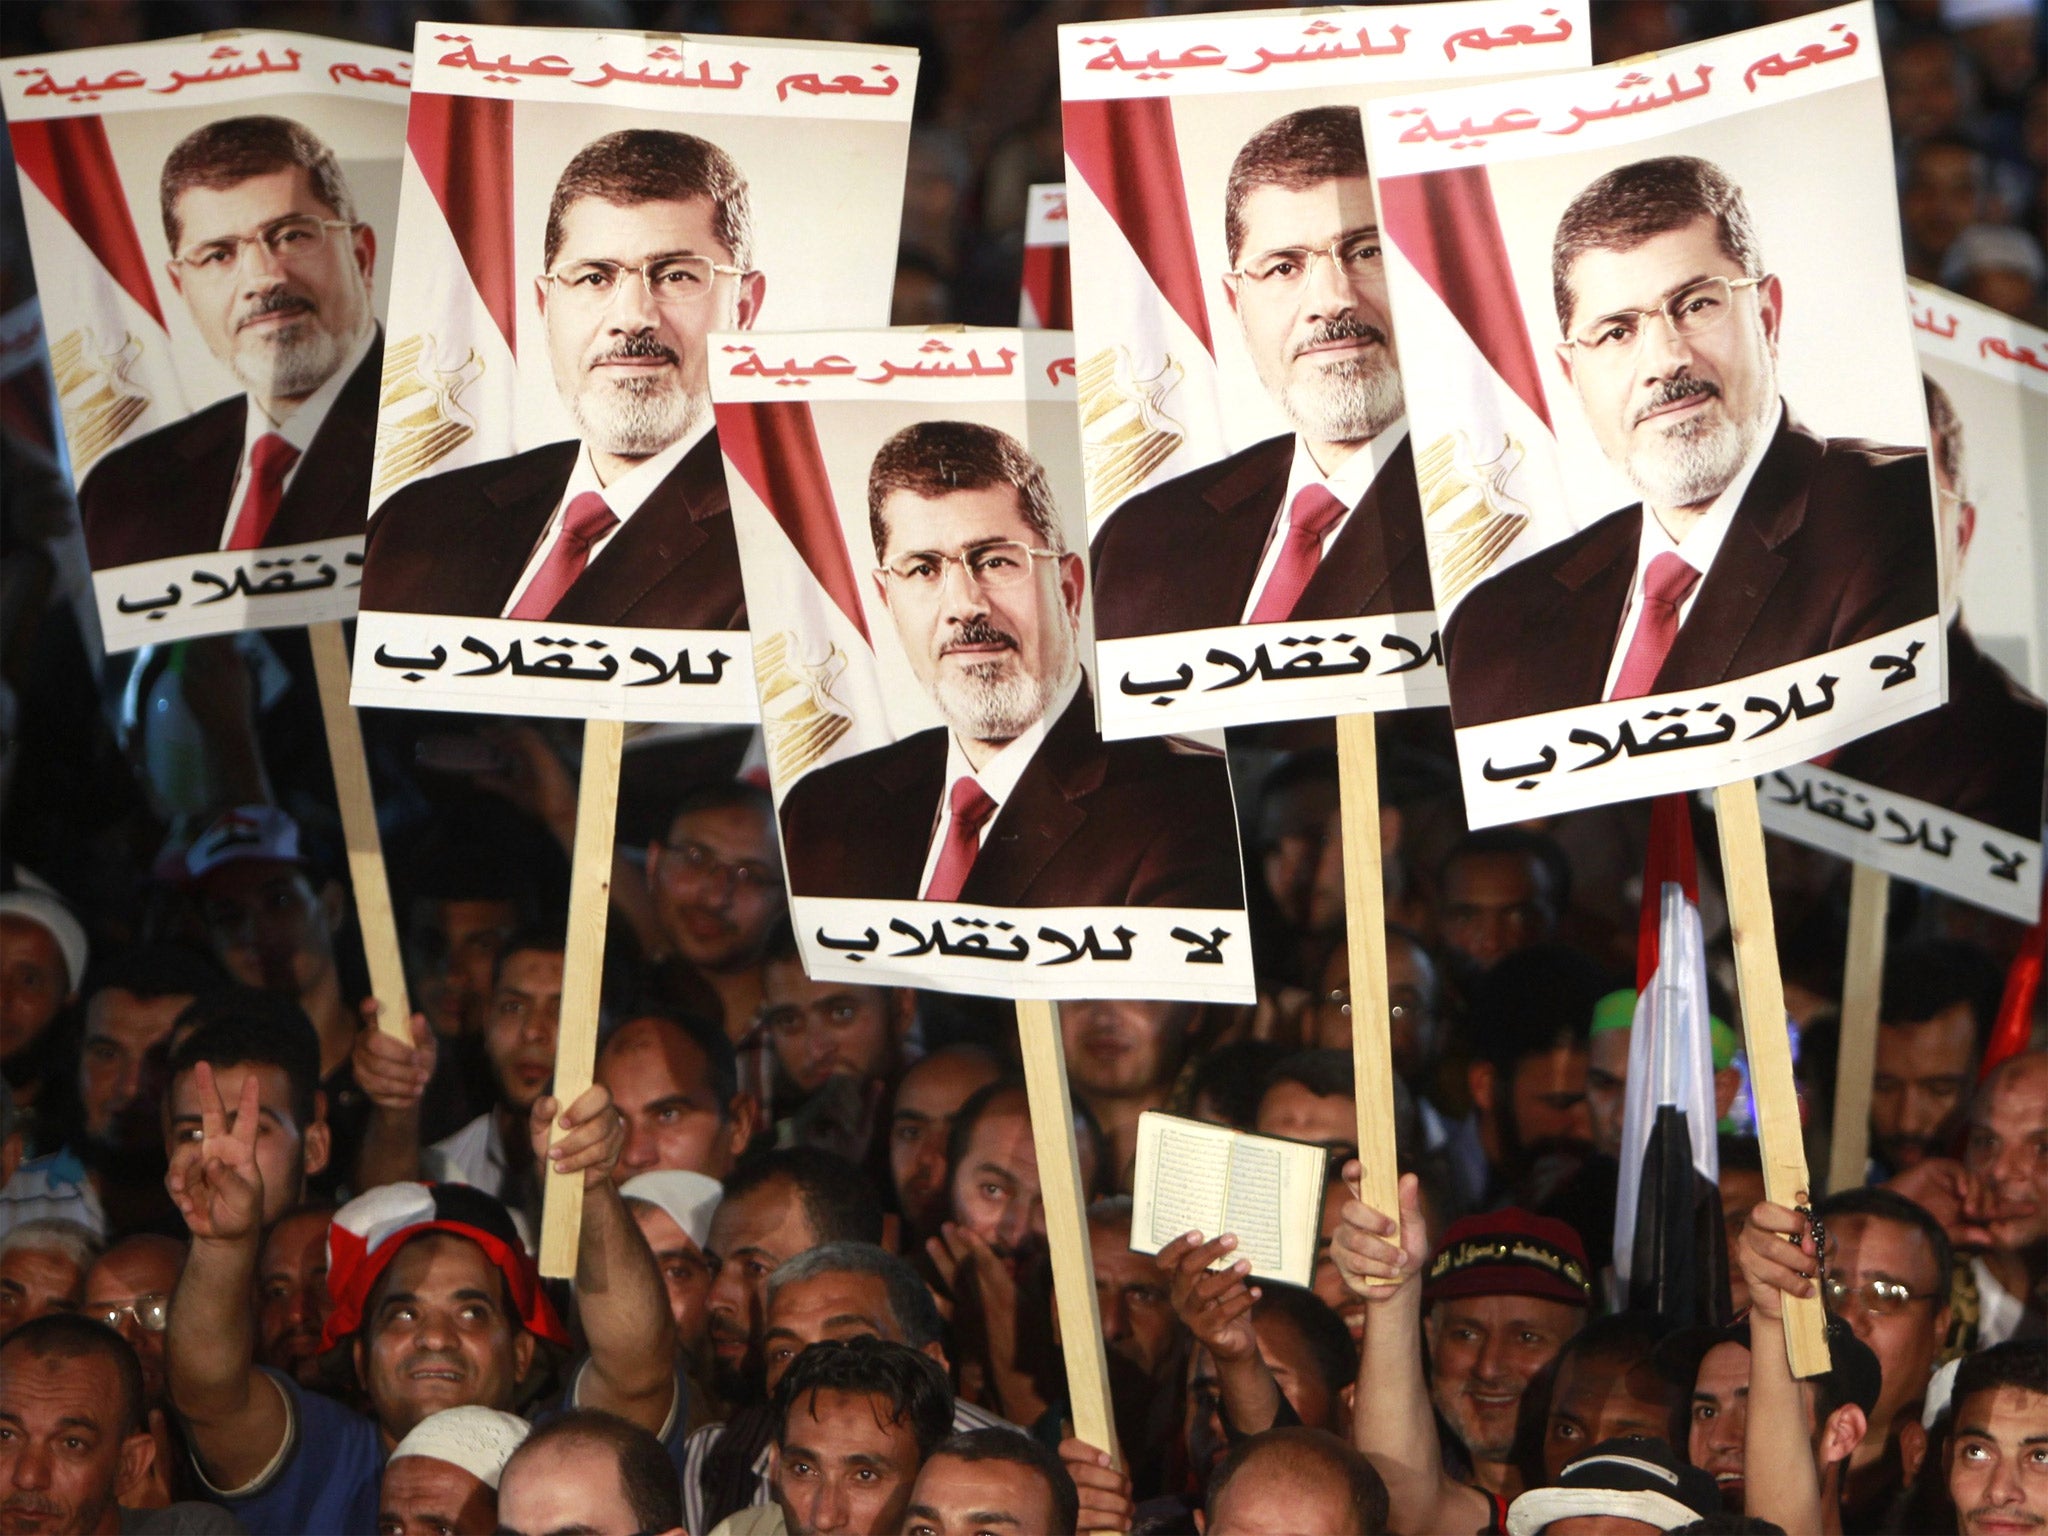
(1365, 921)
(1769, 1042)
(1856, 1064)
(590, 896)
(1066, 1224)
(359, 829)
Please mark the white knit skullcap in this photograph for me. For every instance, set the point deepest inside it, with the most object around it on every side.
(478, 1440)
(37, 903)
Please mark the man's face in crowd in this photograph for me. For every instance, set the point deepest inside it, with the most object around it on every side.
(526, 1014)
(269, 926)
(1593, 1400)
(1920, 1092)
(33, 982)
(1275, 1495)
(685, 1273)
(1998, 1462)
(1606, 1086)
(287, 1154)
(717, 885)
(1676, 414)
(1133, 1297)
(1548, 1097)
(1294, 827)
(426, 1496)
(660, 1082)
(991, 657)
(120, 1031)
(135, 1275)
(631, 368)
(841, 1304)
(439, 1334)
(956, 1497)
(1296, 1111)
(1493, 905)
(283, 322)
(566, 1485)
(1122, 1049)
(996, 1192)
(1720, 1413)
(64, 1462)
(1485, 1349)
(919, 1123)
(844, 1466)
(470, 935)
(2008, 1152)
(291, 1295)
(34, 1281)
(1325, 1281)
(825, 1029)
(1942, 197)
(1920, 81)
(1906, 1342)
(1411, 990)
(1292, 1361)
(1742, 1190)
(750, 1235)
(1322, 341)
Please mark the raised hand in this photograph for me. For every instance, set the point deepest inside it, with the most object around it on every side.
(1777, 1258)
(216, 1181)
(1214, 1304)
(391, 1073)
(1947, 1190)
(1105, 1491)
(593, 1135)
(1367, 1249)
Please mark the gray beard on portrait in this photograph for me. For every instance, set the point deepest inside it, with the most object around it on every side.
(1693, 461)
(998, 700)
(1352, 401)
(293, 362)
(636, 418)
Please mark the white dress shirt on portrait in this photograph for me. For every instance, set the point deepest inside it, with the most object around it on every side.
(997, 778)
(299, 429)
(1354, 477)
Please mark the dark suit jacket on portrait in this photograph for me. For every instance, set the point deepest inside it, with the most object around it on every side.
(167, 494)
(457, 543)
(1981, 755)
(1833, 543)
(1090, 824)
(1183, 555)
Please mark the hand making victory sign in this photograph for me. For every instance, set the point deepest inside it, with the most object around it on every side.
(216, 1181)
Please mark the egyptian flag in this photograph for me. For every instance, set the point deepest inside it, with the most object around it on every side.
(111, 360)
(450, 396)
(1047, 302)
(2014, 1029)
(1670, 1252)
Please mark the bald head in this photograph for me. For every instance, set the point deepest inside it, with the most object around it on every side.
(1290, 1480)
(2008, 1118)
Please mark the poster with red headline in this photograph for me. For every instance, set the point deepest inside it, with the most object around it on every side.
(910, 526)
(550, 532)
(1668, 421)
(1255, 540)
(211, 222)
(1047, 301)
(1953, 799)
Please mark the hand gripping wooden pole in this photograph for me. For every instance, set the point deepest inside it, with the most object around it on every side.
(1066, 1224)
(359, 829)
(590, 896)
(1769, 1042)
(1365, 923)
(1856, 1064)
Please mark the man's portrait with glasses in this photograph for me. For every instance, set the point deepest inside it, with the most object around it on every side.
(275, 269)
(1757, 543)
(1014, 800)
(648, 249)
(1321, 522)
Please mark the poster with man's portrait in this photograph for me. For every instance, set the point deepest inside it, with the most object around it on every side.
(911, 533)
(1669, 429)
(1953, 798)
(211, 221)
(550, 532)
(1255, 540)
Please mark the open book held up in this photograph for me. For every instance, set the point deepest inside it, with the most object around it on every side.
(1195, 1177)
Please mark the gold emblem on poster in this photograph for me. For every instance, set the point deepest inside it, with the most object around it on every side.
(1469, 515)
(1125, 431)
(801, 718)
(99, 399)
(420, 419)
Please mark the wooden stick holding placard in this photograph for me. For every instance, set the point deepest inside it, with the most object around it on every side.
(1762, 991)
(359, 830)
(1365, 922)
(590, 898)
(1066, 1224)
(1856, 1062)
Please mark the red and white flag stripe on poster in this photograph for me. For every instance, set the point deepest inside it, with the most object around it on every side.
(1047, 301)
(450, 393)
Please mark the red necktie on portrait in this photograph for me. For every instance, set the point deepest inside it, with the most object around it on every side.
(588, 520)
(1301, 551)
(270, 460)
(971, 808)
(1666, 584)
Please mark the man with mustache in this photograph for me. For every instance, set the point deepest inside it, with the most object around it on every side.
(1322, 522)
(1757, 543)
(1014, 800)
(275, 270)
(649, 248)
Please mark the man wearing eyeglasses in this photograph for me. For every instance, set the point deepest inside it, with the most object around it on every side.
(129, 1289)
(275, 271)
(1321, 522)
(648, 249)
(1757, 543)
(1014, 800)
